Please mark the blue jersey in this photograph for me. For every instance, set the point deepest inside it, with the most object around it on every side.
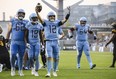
(33, 34)
(82, 32)
(51, 30)
(18, 29)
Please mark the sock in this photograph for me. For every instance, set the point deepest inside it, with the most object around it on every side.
(49, 65)
(55, 65)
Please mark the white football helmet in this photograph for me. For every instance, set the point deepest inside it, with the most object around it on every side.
(83, 21)
(20, 14)
(51, 16)
(33, 18)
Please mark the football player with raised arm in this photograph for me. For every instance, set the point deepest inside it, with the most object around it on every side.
(51, 26)
(82, 30)
(17, 28)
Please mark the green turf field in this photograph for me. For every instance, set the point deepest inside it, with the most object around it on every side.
(67, 68)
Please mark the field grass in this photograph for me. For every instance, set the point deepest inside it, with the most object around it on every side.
(68, 70)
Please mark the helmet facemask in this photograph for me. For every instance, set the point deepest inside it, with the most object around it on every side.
(51, 18)
(82, 23)
(34, 20)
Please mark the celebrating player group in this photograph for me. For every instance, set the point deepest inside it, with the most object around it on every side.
(38, 35)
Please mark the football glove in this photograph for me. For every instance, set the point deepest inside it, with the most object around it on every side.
(28, 46)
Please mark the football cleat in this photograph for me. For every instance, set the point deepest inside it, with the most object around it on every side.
(48, 75)
(12, 71)
(112, 66)
(21, 73)
(33, 71)
(36, 73)
(93, 66)
(1, 66)
(55, 74)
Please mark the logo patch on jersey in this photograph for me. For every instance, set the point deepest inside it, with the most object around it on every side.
(82, 31)
(34, 33)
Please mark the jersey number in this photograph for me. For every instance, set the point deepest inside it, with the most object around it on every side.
(52, 28)
(20, 26)
(34, 33)
(82, 31)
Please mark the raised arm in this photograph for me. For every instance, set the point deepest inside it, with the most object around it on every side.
(38, 9)
(67, 16)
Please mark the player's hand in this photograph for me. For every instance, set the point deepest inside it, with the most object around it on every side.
(106, 45)
(68, 9)
(7, 45)
(95, 37)
(70, 34)
(42, 47)
(28, 46)
(38, 8)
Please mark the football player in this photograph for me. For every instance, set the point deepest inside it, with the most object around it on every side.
(43, 56)
(4, 54)
(113, 40)
(82, 30)
(34, 35)
(17, 28)
(51, 26)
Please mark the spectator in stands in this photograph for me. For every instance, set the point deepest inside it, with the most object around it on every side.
(94, 47)
(101, 47)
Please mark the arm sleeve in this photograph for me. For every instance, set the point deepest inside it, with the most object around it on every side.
(60, 23)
